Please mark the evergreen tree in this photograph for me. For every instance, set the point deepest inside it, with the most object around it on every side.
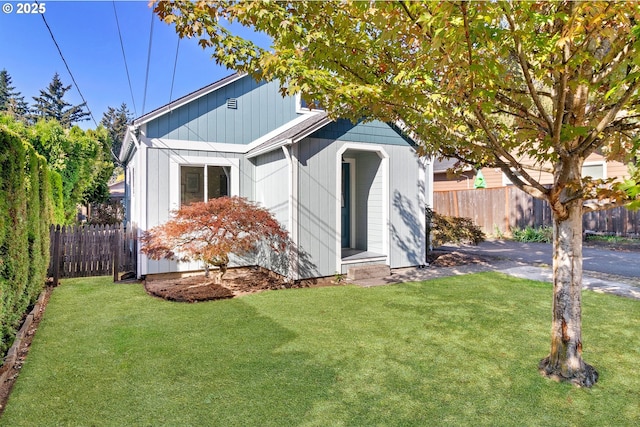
(115, 120)
(11, 102)
(51, 105)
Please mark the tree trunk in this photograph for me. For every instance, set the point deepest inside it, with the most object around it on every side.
(565, 363)
(222, 262)
(222, 268)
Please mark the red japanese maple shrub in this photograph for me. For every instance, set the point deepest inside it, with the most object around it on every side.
(210, 231)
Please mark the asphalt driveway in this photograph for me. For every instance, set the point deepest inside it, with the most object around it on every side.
(605, 261)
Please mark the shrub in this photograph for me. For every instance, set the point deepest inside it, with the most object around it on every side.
(531, 234)
(109, 212)
(448, 229)
(210, 231)
(14, 238)
(25, 215)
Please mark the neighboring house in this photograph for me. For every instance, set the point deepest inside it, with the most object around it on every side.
(595, 166)
(349, 194)
(116, 191)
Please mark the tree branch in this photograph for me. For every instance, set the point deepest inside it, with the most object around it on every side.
(467, 37)
(504, 99)
(592, 137)
(524, 65)
(524, 92)
(411, 17)
(499, 151)
(519, 183)
(561, 99)
(623, 54)
(600, 205)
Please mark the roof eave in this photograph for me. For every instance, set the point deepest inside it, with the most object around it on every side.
(187, 99)
(128, 143)
(288, 141)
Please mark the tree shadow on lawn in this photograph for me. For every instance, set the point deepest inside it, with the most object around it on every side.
(216, 363)
(249, 378)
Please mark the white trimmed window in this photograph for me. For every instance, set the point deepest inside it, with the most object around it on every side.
(202, 183)
(201, 178)
(596, 170)
(505, 179)
(303, 106)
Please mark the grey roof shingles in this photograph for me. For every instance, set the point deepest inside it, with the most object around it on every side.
(301, 129)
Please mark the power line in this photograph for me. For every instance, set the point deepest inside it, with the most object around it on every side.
(146, 78)
(125, 59)
(175, 65)
(68, 69)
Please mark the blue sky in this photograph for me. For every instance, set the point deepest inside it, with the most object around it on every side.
(87, 34)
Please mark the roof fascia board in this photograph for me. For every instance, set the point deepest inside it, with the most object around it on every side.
(188, 98)
(179, 144)
(128, 143)
(282, 129)
(289, 141)
(302, 135)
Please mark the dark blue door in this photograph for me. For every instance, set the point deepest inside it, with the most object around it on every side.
(346, 206)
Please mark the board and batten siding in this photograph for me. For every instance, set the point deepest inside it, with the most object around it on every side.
(272, 185)
(373, 132)
(369, 201)
(318, 201)
(159, 187)
(260, 108)
(391, 195)
(407, 200)
(407, 191)
(317, 228)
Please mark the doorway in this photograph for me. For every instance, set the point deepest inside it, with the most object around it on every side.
(346, 205)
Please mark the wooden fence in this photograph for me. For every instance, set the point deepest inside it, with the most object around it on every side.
(499, 210)
(92, 250)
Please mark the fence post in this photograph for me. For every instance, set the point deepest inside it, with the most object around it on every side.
(116, 253)
(56, 254)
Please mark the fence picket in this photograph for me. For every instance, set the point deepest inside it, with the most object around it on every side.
(503, 209)
(90, 250)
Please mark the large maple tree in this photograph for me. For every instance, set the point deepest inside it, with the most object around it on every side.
(527, 87)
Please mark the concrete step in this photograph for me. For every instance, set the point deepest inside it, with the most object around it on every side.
(370, 271)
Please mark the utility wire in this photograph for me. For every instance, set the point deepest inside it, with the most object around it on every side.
(68, 69)
(175, 65)
(146, 78)
(125, 59)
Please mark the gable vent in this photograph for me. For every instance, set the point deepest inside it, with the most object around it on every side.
(232, 103)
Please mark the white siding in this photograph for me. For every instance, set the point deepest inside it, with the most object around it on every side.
(407, 215)
(162, 183)
(317, 204)
(272, 185)
(369, 206)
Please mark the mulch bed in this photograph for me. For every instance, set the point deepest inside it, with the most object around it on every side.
(236, 282)
(438, 258)
(248, 280)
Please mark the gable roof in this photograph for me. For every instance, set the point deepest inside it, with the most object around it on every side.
(291, 132)
(188, 98)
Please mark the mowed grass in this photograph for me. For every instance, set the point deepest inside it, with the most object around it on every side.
(453, 351)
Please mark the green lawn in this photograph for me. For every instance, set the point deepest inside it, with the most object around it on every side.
(453, 351)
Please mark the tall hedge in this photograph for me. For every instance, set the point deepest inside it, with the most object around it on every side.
(25, 215)
(38, 220)
(57, 197)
